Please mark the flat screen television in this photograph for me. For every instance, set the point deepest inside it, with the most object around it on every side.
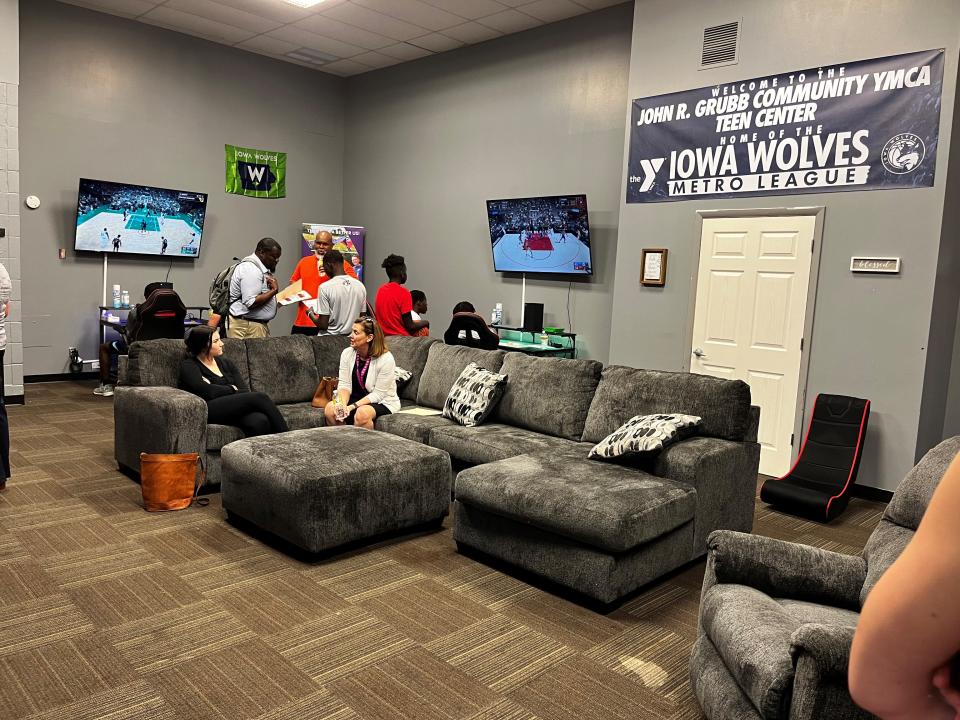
(139, 219)
(541, 235)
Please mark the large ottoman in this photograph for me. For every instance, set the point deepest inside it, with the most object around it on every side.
(324, 487)
(600, 529)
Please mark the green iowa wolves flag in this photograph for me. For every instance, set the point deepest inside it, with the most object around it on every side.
(256, 173)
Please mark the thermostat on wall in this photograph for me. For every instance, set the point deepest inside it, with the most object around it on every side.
(32, 201)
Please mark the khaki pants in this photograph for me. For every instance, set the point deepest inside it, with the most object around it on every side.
(242, 329)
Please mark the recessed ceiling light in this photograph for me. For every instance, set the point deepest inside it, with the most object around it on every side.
(304, 3)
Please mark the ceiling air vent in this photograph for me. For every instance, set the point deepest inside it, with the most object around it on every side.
(314, 57)
(721, 45)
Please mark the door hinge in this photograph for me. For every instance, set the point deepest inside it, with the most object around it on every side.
(812, 244)
(792, 435)
(801, 344)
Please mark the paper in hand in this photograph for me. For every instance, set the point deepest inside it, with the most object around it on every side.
(294, 292)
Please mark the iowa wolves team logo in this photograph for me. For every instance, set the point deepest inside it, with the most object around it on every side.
(902, 153)
(254, 176)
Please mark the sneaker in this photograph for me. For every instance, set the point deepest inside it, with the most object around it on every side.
(106, 390)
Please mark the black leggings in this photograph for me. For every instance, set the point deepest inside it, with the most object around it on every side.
(252, 412)
(4, 429)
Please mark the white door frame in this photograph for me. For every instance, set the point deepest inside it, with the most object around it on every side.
(818, 212)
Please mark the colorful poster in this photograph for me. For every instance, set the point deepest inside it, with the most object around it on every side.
(348, 239)
(256, 173)
(867, 125)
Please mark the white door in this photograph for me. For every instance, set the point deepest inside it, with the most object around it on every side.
(749, 317)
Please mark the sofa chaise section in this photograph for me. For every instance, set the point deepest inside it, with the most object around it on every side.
(605, 529)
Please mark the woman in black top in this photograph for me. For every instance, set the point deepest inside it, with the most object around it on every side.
(215, 379)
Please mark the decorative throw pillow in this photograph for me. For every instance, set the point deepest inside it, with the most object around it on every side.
(474, 395)
(401, 376)
(645, 433)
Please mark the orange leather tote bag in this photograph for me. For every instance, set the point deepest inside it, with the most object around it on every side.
(170, 482)
(324, 392)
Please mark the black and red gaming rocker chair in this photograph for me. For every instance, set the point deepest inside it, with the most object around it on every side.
(160, 316)
(475, 332)
(818, 485)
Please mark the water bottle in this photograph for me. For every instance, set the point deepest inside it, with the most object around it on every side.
(116, 296)
(125, 298)
(498, 313)
(339, 410)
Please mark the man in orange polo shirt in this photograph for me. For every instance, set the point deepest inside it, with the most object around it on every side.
(310, 272)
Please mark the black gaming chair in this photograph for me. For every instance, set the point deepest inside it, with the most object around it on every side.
(471, 324)
(159, 316)
(818, 485)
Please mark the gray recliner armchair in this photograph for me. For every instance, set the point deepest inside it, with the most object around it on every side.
(777, 618)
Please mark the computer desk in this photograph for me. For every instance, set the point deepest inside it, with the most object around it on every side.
(515, 343)
(192, 320)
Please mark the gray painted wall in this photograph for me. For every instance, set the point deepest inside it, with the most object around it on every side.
(108, 98)
(537, 113)
(870, 333)
(9, 42)
(951, 420)
(941, 351)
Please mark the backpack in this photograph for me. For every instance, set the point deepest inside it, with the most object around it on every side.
(220, 288)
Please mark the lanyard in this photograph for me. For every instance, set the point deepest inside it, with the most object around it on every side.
(361, 373)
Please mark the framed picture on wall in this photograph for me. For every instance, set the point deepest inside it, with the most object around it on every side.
(653, 267)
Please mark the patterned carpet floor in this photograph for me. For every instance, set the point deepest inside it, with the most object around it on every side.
(107, 611)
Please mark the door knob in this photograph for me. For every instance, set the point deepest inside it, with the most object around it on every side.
(699, 353)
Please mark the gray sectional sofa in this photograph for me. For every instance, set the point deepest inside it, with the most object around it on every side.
(526, 492)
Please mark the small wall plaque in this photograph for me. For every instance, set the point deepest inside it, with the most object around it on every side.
(653, 267)
(875, 264)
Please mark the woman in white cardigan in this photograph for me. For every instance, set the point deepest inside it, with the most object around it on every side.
(367, 387)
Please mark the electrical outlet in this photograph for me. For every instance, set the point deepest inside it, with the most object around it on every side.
(94, 364)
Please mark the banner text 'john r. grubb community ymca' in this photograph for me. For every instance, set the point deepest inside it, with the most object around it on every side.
(863, 125)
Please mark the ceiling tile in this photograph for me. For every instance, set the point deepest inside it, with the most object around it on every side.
(303, 38)
(599, 4)
(470, 9)
(224, 14)
(372, 33)
(510, 21)
(326, 25)
(376, 60)
(553, 10)
(405, 51)
(267, 44)
(195, 25)
(345, 68)
(123, 8)
(276, 10)
(436, 42)
(472, 32)
(373, 21)
(414, 12)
